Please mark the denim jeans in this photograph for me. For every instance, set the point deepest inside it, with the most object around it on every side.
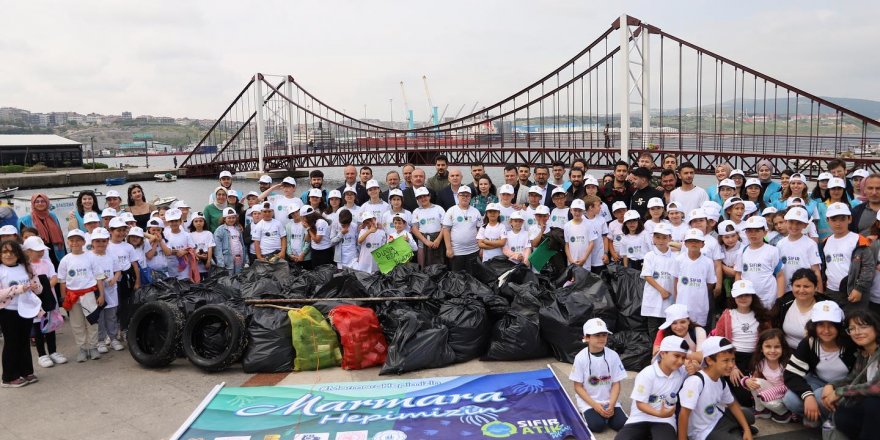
(795, 404)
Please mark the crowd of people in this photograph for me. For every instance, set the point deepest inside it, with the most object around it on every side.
(766, 283)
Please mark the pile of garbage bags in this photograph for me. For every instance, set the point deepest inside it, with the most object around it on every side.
(495, 311)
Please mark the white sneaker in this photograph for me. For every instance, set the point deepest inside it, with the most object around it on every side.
(102, 348)
(116, 345)
(58, 358)
(45, 362)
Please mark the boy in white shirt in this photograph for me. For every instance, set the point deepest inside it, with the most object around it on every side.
(599, 255)
(695, 278)
(707, 404)
(270, 238)
(284, 203)
(79, 278)
(655, 394)
(399, 226)
(505, 202)
(537, 231)
(615, 230)
(370, 238)
(460, 226)
(797, 251)
(847, 256)
(559, 214)
(579, 236)
(344, 238)
(426, 228)
(597, 373)
(518, 247)
(110, 267)
(759, 263)
(658, 270)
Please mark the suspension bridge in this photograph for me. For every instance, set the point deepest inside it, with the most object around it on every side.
(635, 88)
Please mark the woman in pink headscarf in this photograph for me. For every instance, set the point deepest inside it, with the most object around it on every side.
(46, 223)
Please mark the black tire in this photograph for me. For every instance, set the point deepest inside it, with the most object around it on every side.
(226, 325)
(154, 334)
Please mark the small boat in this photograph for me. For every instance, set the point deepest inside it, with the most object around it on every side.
(167, 177)
(164, 201)
(8, 193)
(113, 181)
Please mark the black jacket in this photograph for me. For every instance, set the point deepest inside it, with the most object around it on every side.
(445, 198)
(804, 360)
(409, 198)
(639, 200)
(856, 215)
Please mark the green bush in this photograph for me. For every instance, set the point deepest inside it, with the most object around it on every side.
(11, 168)
(97, 166)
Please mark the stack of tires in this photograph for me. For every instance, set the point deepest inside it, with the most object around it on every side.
(213, 336)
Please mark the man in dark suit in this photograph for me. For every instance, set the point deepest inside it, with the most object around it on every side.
(542, 174)
(392, 180)
(448, 195)
(418, 181)
(350, 173)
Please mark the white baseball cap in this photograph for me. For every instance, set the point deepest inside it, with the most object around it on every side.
(112, 193)
(694, 234)
(100, 234)
(752, 182)
(798, 214)
(306, 210)
(709, 205)
(542, 210)
(535, 189)
(288, 181)
(836, 209)
(225, 174)
(756, 222)
(198, 214)
(233, 193)
(798, 176)
(75, 233)
(506, 189)
(423, 191)
(697, 213)
(836, 182)
(673, 206)
(267, 206)
(34, 243)
(737, 172)
(117, 222)
(557, 190)
(826, 311)
(515, 215)
(672, 343)
(656, 202)
(180, 204)
(395, 192)
(674, 313)
(578, 204)
(155, 223)
(618, 205)
(769, 210)
(349, 189)
(127, 217)
(315, 192)
(742, 287)
(860, 173)
(334, 194)
(173, 214)
(464, 189)
(252, 193)
(663, 229)
(590, 180)
(595, 326)
(229, 212)
(29, 305)
(108, 212)
(493, 207)
(824, 176)
(91, 217)
(732, 201)
(265, 178)
(8, 230)
(724, 226)
(137, 232)
(367, 215)
(728, 183)
(631, 215)
(750, 206)
(372, 183)
(714, 345)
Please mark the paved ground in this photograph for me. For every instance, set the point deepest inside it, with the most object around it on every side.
(114, 398)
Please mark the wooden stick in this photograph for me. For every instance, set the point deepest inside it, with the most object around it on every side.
(314, 300)
(274, 306)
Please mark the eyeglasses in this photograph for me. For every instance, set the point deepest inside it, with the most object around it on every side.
(857, 329)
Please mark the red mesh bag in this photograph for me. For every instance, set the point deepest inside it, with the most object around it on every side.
(363, 344)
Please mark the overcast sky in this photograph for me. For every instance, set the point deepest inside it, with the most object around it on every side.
(190, 58)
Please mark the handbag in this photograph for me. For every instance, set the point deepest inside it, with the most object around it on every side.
(51, 321)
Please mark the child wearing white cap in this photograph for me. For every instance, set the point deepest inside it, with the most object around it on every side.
(695, 278)
(110, 267)
(370, 238)
(229, 249)
(848, 257)
(180, 243)
(707, 404)
(395, 202)
(204, 240)
(505, 204)
(43, 269)
(375, 204)
(655, 394)
(343, 237)
(492, 235)
(656, 213)
(599, 254)
(678, 323)
(559, 214)
(19, 305)
(615, 230)
(537, 231)
(426, 228)
(298, 244)
(460, 226)
(658, 271)
(580, 236)
(760, 263)
(269, 236)
(286, 202)
(597, 373)
(517, 246)
(635, 242)
(399, 227)
(797, 251)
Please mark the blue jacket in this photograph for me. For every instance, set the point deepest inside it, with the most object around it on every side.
(223, 249)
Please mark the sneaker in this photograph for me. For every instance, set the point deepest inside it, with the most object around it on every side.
(83, 355)
(58, 358)
(102, 348)
(795, 418)
(106, 340)
(17, 383)
(30, 378)
(95, 353)
(762, 413)
(784, 418)
(116, 345)
(45, 362)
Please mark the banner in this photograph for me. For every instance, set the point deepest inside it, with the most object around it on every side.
(523, 405)
(395, 252)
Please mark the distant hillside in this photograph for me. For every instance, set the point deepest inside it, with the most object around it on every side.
(865, 107)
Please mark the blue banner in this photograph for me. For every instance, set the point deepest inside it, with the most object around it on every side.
(523, 405)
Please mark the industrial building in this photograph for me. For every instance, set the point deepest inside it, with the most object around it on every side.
(49, 149)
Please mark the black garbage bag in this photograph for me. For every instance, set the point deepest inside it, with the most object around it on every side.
(408, 277)
(627, 287)
(198, 295)
(261, 287)
(517, 335)
(436, 271)
(483, 273)
(499, 265)
(297, 286)
(279, 270)
(169, 290)
(520, 275)
(373, 283)
(458, 284)
(343, 285)
(319, 276)
(418, 344)
(468, 327)
(270, 342)
(633, 347)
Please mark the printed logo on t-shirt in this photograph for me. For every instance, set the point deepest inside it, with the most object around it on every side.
(710, 410)
(661, 276)
(600, 380)
(618, 238)
(578, 239)
(423, 221)
(502, 218)
(692, 281)
(671, 399)
(835, 258)
(531, 221)
(369, 245)
(461, 218)
(752, 267)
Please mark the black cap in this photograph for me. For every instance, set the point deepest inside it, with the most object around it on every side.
(642, 172)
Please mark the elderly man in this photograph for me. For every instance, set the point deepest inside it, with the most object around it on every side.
(864, 214)
(441, 178)
(350, 173)
(392, 180)
(448, 196)
(407, 176)
(418, 181)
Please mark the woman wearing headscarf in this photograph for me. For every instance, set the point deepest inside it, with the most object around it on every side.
(48, 226)
(214, 211)
(765, 175)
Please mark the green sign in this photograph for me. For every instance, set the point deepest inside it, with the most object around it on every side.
(143, 136)
(391, 254)
(541, 255)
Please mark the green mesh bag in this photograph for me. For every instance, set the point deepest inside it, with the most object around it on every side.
(314, 340)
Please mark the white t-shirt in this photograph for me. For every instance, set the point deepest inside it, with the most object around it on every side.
(76, 271)
(388, 220)
(268, 233)
(463, 226)
(838, 256)
(429, 219)
(322, 228)
(296, 238)
(578, 237)
(660, 266)
(601, 228)
(347, 249)
(634, 246)
(378, 210)
(393, 235)
(694, 277)
(108, 265)
(654, 387)
(518, 241)
(830, 367)
(689, 200)
(373, 241)
(140, 254)
(123, 253)
(794, 325)
(707, 399)
(490, 232)
(711, 249)
(180, 240)
(284, 206)
(597, 374)
(159, 260)
(760, 266)
(744, 329)
(529, 219)
(729, 256)
(651, 224)
(678, 234)
(504, 215)
(558, 217)
(14, 276)
(203, 240)
(615, 234)
(798, 254)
